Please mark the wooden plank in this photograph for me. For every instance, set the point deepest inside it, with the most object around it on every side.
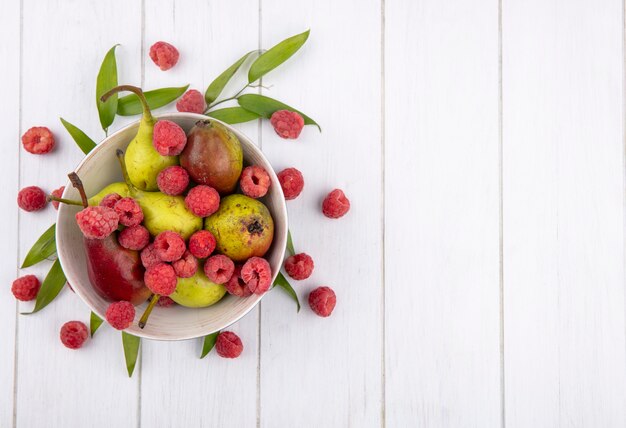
(442, 214)
(563, 214)
(330, 369)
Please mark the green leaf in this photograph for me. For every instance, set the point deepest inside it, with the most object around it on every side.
(282, 282)
(45, 247)
(130, 105)
(50, 288)
(232, 115)
(94, 323)
(131, 351)
(217, 86)
(266, 106)
(290, 248)
(275, 56)
(107, 80)
(83, 141)
(209, 343)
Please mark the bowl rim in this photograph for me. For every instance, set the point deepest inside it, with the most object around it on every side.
(282, 206)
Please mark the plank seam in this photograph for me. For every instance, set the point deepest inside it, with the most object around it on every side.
(382, 169)
(501, 216)
(142, 41)
(260, 312)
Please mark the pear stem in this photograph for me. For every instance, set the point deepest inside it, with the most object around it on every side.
(78, 185)
(131, 187)
(135, 90)
(144, 318)
(64, 201)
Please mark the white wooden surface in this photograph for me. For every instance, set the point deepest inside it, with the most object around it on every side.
(479, 274)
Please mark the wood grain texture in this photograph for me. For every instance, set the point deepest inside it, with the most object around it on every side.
(563, 214)
(441, 216)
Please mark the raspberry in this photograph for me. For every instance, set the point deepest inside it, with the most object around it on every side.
(129, 211)
(31, 198)
(134, 237)
(38, 140)
(236, 286)
(97, 222)
(219, 268)
(74, 334)
(164, 55)
(168, 138)
(26, 288)
(57, 194)
(254, 181)
(186, 266)
(120, 314)
(322, 300)
(292, 182)
(336, 204)
(165, 302)
(173, 180)
(287, 124)
(169, 246)
(228, 345)
(257, 275)
(203, 200)
(202, 243)
(300, 266)
(160, 279)
(110, 200)
(192, 102)
(149, 256)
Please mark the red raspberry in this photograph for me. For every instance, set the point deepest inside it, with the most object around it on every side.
(292, 182)
(254, 181)
(31, 198)
(192, 102)
(173, 180)
(97, 222)
(219, 268)
(26, 288)
(287, 124)
(74, 334)
(300, 266)
(168, 138)
(110, 200)
(202, 243)
(236, 285)
(38, 140)
(228, 345)
(129, 211)
(165, 302)
(134, 237)
(164, 55)
(120, 314)
(57, 194)
(186, 266)
(203, 200)
(169, 246)
(149, 256)
(336, 204)
(322, 300)
(257, 274)
(160, 279)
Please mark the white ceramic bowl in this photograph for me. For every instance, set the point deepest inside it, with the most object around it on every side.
(99, 168)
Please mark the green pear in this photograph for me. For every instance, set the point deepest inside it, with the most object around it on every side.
(120, 188)
(197, 291)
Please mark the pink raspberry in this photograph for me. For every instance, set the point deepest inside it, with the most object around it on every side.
(165, 302)
(219, 268)
(299, 266)
(228, 345)
(120, 314)
(202, 243)
(38, 140)
(57, 194)
(134, 237)
(149, 257)
(257, 274)
(186, 266)
(168, 138)
(292, 182)
(173, 180)
(236, 285)
(164, 55)
(110, 200)
(322, 300)
(97, 222)
(31, 198)
(203, 200)
(129, 211)
(336, 204)
(287, 124)
(74, 334)
(160, 279)
(169, 246)
(26, 288)
(254, 181)
(192, 102)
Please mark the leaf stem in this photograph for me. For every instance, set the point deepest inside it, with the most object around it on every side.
(64, 201)
(234, 97)
(144, 318)
(131, 186)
